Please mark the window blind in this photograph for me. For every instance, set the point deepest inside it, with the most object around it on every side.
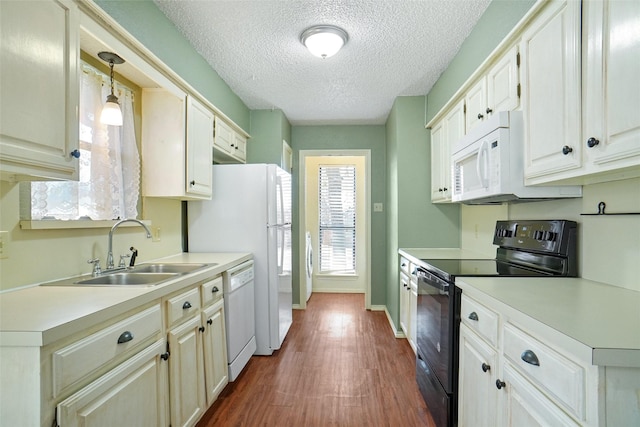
(337, 219)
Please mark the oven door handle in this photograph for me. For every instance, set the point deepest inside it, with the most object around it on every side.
(432, 280)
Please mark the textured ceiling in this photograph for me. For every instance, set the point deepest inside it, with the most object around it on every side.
(395, 48)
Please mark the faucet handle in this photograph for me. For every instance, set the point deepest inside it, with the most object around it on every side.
(122, 262)
(96, 266)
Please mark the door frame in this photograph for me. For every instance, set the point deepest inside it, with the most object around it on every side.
(302, 174)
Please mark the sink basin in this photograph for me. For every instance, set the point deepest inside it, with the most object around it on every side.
(129, 279)
(168, 268)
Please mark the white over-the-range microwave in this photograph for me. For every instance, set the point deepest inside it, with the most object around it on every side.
(488, 165)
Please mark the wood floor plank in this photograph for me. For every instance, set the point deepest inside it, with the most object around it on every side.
(340, 365)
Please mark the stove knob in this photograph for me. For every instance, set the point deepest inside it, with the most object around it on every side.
(549, 236)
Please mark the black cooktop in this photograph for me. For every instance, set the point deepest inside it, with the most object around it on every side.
(448, 269)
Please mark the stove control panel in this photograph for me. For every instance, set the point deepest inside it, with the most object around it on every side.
(548, 236)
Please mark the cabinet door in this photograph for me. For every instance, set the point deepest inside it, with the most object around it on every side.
(437, 141)
(612, 87)
(502, 84)
(413, 314)
(186, 374)
(525, 405)
(477, 376)
(223, 137)
(39, 85)
(133, 394)
(405, 288)
(239, 146)
(550, 50)
(215, 351)
(199, 148)
(476, 102)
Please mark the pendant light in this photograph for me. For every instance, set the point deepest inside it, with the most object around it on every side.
(111, 113)
(324, 41)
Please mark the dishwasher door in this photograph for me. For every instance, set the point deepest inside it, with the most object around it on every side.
(239, 311)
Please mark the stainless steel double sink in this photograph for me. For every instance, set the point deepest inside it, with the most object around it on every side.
(151, 274)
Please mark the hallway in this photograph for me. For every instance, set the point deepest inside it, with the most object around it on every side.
(340, 365)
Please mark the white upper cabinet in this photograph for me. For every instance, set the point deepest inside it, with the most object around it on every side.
(611, 114)
(229, 145)
(550, 51)
(38, 108)
(582, 123)
(444, 134)
(199, 148)
(503, 82)
(177, 141)
(476, 102)
(495, 91)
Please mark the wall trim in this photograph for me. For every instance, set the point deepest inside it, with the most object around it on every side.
(396, 333)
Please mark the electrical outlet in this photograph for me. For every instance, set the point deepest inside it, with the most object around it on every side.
(377, 207)
(4, 244)
(155, 234)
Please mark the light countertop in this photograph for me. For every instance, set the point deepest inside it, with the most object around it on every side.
(416, 254)
(604, 318)
(40, 315)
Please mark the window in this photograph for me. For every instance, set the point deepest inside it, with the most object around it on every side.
(109, 168)
(337, 219)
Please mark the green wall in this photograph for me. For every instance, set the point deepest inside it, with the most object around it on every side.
(268, 129)
(496, 22)
(347, 138)
(412, 220)
(151, 27)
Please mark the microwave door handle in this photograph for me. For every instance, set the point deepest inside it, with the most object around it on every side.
(481, 163)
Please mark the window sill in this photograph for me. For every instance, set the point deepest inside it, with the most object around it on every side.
(56, 224)
(337, 276)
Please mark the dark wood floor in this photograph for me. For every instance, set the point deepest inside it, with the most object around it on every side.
(340, 365)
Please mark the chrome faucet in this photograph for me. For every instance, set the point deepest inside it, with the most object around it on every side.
(116, 225)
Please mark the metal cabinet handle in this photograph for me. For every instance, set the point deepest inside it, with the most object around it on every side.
(210, 322)
(480, 116)
(530, 357)
(592, 142)
(500, 384)
(473, 316)
(75, 153)
(489, 110)
(165, 356)
(125, 337)
(201, 328)
(215, 289)
(566, 150)
(485, 367)
(192, 183)
(186, 305)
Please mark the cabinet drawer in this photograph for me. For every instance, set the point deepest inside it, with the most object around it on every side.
(73, 362)
(182, 306)
(211, 291)
(481, 319)
(404, 265)
(558, 376)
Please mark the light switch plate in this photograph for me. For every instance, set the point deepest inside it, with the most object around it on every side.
(377, 207)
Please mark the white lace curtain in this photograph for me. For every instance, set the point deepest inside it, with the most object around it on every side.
(109, 184)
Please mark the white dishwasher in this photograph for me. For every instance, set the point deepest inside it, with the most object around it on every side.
(239, 319)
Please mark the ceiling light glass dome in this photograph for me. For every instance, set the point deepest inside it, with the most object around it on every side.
(324, 41)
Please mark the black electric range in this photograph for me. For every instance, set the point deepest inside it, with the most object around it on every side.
(545, 248)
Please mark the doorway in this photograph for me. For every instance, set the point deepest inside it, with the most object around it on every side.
(358, 280)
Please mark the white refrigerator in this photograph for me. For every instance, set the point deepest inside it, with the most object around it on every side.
(250, 211)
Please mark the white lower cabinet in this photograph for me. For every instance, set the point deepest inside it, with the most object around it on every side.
(477, 373)
(511, 377)
(215, 351)
(133, 394)
(186, 373)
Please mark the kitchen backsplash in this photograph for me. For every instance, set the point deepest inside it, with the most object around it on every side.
(609, 246)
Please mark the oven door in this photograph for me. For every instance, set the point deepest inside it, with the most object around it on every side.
(436, 320)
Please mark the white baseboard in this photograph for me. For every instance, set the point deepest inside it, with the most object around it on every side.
(396, 333)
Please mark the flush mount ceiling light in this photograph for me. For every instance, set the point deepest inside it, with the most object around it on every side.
(111, 113)
(324, 41)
